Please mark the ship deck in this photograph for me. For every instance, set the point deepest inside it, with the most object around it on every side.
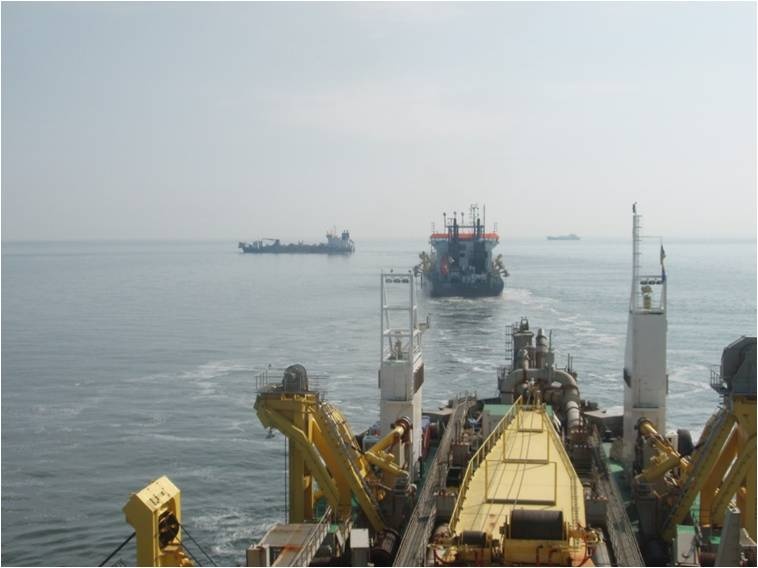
(527, 468)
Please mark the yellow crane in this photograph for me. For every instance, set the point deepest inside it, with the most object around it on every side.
(324, 450)
(722, 468)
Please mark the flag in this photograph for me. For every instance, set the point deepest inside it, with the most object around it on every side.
(663, 267)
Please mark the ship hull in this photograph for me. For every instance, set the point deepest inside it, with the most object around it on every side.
(295, 249)
(437, 288)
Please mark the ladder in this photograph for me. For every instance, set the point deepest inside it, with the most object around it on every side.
(339, 433)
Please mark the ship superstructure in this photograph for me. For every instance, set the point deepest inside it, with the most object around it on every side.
(461, 261)
(335, 244)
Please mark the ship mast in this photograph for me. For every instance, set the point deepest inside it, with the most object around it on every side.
(645, 376)
(401, 371)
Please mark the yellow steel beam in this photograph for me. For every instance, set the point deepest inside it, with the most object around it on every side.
(325, 446)
(271, 418)
(354, 467)
(716, 478)
(744, 409)
(702, 463)
(334, 465)
(732, 482)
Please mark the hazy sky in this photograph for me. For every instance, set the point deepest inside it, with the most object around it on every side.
(241, 120)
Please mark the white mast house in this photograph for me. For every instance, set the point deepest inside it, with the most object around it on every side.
(401, 373)
(645, 376)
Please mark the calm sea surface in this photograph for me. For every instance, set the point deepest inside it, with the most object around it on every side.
(124, 361)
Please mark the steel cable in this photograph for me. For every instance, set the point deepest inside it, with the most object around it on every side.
(198, 546)
(122, 545)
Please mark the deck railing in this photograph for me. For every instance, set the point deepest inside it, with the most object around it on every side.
(271, 379)
(478, 457)
(311, 545)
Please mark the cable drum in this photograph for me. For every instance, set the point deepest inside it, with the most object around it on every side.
(529, 524)
(477, 538)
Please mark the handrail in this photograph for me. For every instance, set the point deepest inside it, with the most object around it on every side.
(311, 546)
(475, 460)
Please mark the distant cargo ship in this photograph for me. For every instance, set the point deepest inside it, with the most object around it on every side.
(461, 261)
(571, 237)
(335, 244)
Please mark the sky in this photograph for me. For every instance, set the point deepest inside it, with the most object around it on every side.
(246, 120)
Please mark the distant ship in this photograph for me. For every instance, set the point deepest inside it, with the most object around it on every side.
(335, 244)
(461, 263)
(571, 237)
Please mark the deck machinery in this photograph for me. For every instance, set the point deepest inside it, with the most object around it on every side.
(534, 476)
(328, 462)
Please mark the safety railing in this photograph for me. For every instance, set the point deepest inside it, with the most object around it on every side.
(648, 293)
(717, 383)
(311, 545)
(478, 457)
(272, 379)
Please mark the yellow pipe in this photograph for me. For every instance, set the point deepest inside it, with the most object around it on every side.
(385, 462)
(397, 432)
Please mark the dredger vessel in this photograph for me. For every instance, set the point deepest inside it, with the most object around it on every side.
(335, 244)
(535, 475)
(461, 261)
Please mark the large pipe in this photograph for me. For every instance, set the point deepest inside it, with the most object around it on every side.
(570, 399)
(540, 350)
(567, 398)
(400, 428)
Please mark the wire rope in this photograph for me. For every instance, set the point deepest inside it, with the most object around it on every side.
(198, 546)
(118, 548)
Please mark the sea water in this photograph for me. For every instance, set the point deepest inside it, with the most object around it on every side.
(124, 361)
